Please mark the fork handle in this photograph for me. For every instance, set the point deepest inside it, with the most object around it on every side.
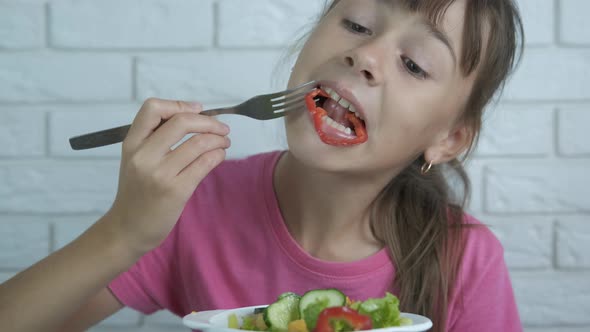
(99, 138)
(118, 134)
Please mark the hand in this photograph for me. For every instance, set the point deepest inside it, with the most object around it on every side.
(155, 182)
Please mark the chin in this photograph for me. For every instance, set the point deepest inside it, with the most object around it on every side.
(306, 146)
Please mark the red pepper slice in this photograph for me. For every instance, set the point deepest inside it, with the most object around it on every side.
(339, 319)
(318, 113)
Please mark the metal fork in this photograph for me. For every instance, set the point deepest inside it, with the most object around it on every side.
(261, 107)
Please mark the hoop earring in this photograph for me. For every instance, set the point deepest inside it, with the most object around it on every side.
(426, 167)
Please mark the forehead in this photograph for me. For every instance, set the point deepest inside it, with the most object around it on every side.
(433, 10)
(447, 16)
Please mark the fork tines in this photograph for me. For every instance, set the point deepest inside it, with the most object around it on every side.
(291, 99)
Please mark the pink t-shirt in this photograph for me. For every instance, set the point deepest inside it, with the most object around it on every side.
(231, 248)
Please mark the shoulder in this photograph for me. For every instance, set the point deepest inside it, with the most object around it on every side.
(483, 292)
(482, 261)
(480, 243)
(482, 251)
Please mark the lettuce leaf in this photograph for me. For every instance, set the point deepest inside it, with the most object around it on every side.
(249, 323)
(312, 312)
(384, 312)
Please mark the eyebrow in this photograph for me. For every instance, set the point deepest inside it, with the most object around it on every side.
(440, 36)
(431, 29)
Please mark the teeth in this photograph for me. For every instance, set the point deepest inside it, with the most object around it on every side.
(353, 110)
(330, 122)
(332, 94)
(344, 103)
(335, 96)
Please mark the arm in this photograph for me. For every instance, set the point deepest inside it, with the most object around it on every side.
(99, 307)
(154, 184)
(63, 281)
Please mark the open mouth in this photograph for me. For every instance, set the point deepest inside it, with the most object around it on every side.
(336, 119)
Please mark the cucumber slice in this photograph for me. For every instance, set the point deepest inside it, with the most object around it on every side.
(278, 315)
(314, 302)
(287, 294)
(260, 310)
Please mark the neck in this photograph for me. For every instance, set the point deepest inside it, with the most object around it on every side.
(328, 214)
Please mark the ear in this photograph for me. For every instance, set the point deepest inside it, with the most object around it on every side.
(450, 146)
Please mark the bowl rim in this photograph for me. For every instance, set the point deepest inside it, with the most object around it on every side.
(202, 320)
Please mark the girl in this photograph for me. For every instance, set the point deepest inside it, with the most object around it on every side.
(358, 202)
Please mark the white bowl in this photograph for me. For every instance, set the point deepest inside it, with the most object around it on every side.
(216, 320)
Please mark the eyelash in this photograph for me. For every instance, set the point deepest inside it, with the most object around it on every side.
(408, 63)
(417, 72)
(356, 28)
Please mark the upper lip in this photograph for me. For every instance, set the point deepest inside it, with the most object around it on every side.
(345, 93)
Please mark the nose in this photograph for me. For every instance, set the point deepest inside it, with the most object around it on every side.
(365, 60)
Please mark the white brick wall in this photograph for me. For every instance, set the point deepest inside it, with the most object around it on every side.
(573, 236)
(574, 30)
(227, 76)
(21, 25)
(263, 22)
(22, 134)
(134, 24)
(73, 66)
(498, 138)
(539, 20)
(45, 76)
(572, 135)
(538, 185)
(527, 241)
(553, 298)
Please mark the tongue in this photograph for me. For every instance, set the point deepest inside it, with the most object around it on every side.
(337, 112)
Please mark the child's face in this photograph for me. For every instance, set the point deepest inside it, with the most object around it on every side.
(405, 77)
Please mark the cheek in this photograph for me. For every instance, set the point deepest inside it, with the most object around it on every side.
(319, 48)
(298, 127)
(310, 55)
(441, 106)
(414, 120)
(303, 66)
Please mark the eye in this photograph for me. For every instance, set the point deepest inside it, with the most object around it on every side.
(413, 68)
(356, 28)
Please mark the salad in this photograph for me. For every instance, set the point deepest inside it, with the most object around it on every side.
(322, 310)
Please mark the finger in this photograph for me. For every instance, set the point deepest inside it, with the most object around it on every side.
(196, 171)
(152, 113)
(193, 148)
(180, 125)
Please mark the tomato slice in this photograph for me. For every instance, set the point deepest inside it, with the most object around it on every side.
(340, 319)
(318, 113)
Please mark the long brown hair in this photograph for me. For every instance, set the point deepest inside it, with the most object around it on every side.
(418, 217)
